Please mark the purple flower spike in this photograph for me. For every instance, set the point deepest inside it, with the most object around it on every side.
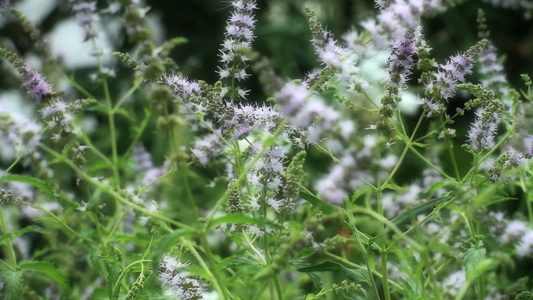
(4, 4)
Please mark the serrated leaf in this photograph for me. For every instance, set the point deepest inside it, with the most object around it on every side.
(326, 266)
(112, 278)
(239, 261)
(39, 184)
(435, 187)
(242, 219)
(359, 193)
(414, 211)
(324, 207)
(13, 282)
(476, 263)
(48, 269)
(317, 282)
(392, 186)
(30, 228)
(357, 276)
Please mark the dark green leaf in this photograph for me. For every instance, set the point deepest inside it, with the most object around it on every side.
(326, 208)
(357, 276)
(317, 282)
(414, 211)
(326, 266)
(39, 184)
(30, 228)
(359, 193)
(242, 219)
(48, 269)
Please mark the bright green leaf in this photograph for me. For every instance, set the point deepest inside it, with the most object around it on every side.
(13, 282)
(39, 184)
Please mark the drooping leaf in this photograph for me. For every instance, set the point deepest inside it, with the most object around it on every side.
(48, 269)
(30, 228)
(414, 211)
(242, 219)
(323, 206)
(356, 275)
(317, 282)
(39, 184)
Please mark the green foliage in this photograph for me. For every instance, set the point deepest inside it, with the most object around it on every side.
(13, 284)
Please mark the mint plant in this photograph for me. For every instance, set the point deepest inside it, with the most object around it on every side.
(153, 184)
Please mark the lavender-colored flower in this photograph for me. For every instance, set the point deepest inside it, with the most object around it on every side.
(3, 4)
(234, 54)
(36, 85)
(396, 18)
(528, 142)
(179, 281)
(181, 86)
(34, 82)
(513, 232)
(86, 16)
(329, 52)
(482, 131)
(291, 98)
(454, 282)
(492, 71)
(19, 132)
(525, 247)
(453, 72)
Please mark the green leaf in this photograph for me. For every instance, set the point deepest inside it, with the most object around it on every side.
(392, 186)
(317, 282)
(360, 192)
(30, 228)
(123, 112)
(477, 263)
(421, 145)
(13, 281)
(112, 278)
(324, 207)
(243, 219)
(48, 219)
(436, 186)
(48, 269)
(407, 215)
(357, 276)
(39, 184)
(238, 261)
(326, 266)
(305, 252)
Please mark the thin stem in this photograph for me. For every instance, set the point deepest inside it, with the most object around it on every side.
(356, 266)
(9, 243)
(11, 166)
(112, 192)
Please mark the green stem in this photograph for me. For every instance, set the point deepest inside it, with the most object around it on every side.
(112, 192)
(11, 166)
(219, 284)
(356, 266)
(9, 243)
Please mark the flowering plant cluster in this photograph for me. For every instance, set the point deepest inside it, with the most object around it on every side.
(141, 181)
